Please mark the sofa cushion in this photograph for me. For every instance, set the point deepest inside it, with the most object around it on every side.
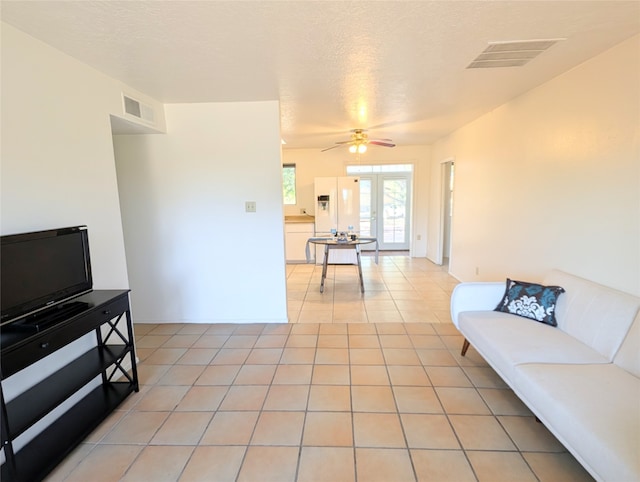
(530, 300)
(506, 340)
(592, 409)
(595, 314)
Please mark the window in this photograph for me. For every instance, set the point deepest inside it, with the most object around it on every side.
(289, 183)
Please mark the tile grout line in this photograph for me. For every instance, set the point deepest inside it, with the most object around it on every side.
(446, 414)
(397, 407)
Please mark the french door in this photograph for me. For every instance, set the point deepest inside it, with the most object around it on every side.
(384, 209)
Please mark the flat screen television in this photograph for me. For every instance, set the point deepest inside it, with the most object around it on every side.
(41, 270)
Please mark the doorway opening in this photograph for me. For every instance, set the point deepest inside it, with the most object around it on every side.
(385, 204)
(447, 171)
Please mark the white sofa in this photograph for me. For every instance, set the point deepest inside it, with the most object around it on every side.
(581, 378)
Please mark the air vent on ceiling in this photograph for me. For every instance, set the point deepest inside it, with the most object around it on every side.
(513, 53)
(139, 110)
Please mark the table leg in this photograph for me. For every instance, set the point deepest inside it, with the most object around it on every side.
(324, 267)
(359, 268)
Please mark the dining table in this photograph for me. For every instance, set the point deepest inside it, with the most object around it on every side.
(334, 242)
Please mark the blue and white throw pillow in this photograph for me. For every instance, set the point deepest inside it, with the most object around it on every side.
(531, 300)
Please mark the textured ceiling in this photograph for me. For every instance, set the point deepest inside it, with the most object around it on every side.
(397, 68)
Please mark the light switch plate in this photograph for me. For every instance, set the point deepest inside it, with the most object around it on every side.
(250, 206)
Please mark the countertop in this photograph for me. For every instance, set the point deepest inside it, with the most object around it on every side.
(302, 218)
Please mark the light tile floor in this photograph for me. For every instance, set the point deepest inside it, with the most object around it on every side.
(397, 289)
(323, 399)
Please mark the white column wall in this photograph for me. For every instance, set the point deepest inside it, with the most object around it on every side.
(194, 254)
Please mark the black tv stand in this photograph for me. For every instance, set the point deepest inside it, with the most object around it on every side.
(110, 366)
(46, 318)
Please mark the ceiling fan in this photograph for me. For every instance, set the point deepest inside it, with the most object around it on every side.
(359, 140)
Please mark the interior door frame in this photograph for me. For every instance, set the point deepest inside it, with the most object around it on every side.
(444, 193)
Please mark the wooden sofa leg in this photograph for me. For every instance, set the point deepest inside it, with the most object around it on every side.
(465, 347)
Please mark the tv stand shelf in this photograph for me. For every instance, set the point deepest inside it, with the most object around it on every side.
(112, 359)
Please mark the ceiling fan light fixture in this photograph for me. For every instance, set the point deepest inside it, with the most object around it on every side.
(359, 142)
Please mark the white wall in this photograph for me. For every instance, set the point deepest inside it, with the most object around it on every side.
(312, 163)
(194, 254)
(58, 168)
(57, 154)
(552, 179)
(57, 160)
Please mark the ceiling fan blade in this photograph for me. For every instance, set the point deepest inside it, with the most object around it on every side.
(383, 140)
(329, 148)
(346, 142)
(384, 144)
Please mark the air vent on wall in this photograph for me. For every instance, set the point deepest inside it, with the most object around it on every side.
(139, 110)
(513, 53)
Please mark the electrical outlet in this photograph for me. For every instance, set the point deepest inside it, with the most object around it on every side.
(419, 237)
(250, 206)
(477, 270)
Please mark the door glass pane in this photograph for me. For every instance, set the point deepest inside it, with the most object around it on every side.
(394, 213)
(365, 207)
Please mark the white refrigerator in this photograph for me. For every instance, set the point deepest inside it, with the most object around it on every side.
(337, 208)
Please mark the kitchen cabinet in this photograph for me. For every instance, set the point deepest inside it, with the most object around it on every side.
(296, 235)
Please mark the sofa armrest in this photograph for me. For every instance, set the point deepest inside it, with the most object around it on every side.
(475, 296)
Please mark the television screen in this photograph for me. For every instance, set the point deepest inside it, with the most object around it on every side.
(42, 269)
